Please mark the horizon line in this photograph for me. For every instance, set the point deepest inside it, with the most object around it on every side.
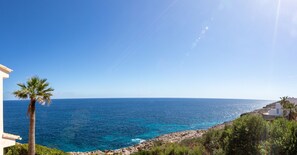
(80, 98)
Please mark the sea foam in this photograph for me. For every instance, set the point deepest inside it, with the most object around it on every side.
(137, 140)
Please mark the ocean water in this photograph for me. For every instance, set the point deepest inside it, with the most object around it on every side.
(92, 124)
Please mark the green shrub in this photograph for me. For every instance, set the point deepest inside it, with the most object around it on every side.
(283, 137)
(191, 143)
(22, 149)
(247, 133)
(212, 140)
(173, 149)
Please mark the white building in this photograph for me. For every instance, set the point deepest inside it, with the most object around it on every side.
(6, 139)
(278, 111)
(274, 112)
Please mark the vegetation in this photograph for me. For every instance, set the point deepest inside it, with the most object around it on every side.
(173, 149)
(283, 137)
(289, 106)
(248, 135)
(245, 135)
(37, 90)
(22, 149)
(284, 100)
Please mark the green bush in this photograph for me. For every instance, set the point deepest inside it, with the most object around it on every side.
(247, 133)
(173, 149)
(191, 143)
(22, 149)
(283, 137)
(212, 140)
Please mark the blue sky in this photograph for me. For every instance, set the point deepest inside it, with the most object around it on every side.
(152, 48)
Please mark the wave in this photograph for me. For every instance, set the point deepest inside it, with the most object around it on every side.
(137, 140)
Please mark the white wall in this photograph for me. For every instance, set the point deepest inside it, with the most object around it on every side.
(1, 103)
(278, 111)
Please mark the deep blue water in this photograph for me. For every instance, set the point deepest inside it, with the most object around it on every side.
(92, 124)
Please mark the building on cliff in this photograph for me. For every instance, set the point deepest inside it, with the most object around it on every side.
(277, 111)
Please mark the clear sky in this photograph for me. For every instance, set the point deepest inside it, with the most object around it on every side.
(152, 48)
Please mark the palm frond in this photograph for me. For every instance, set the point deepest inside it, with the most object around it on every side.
(21, 94)
(35, 88)
(22, 85)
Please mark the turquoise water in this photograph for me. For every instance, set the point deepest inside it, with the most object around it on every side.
(92, 124)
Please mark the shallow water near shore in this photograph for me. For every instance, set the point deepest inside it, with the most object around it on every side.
(100, 124)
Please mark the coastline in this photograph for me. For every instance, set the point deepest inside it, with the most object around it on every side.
(174, 137)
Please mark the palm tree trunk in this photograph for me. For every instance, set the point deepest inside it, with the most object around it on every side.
(290, 115)
(32, 128)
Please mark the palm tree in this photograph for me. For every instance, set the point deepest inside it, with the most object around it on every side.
(284, 100)
(292, 110)
(290, 106)
(37, 90)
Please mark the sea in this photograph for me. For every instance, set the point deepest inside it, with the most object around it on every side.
(105, 124)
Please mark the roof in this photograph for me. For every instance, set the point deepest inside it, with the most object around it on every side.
(11, 136)
(5, 69)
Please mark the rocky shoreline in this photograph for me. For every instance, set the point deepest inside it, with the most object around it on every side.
(167, 138)
(174, 137)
